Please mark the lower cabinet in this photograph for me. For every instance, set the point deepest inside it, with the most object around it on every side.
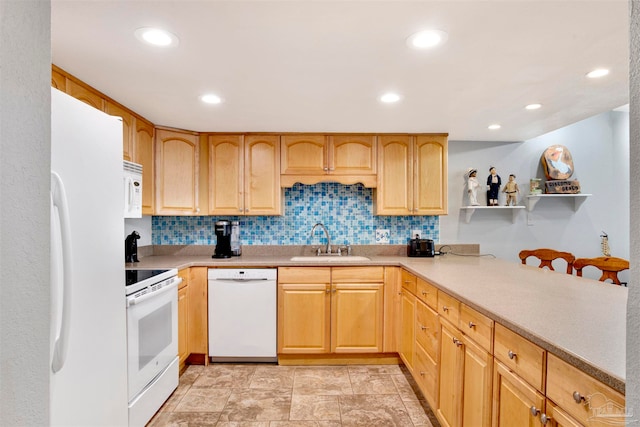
(183, 316)
(330, 310)
(465, 380)
(407, 334)
(515, 402)
(192, 316)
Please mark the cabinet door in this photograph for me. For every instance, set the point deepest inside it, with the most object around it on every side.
(477, 385)
(304, 155)
(225, 175)
(352, 155)
(451, 379)
(262, 195)
(356, 318)
(304, 318)
(407, 332)
(198, 327)
(144, 154)
(395, 175)
(85, 95)
(127, 128)
(430, 176)
(183, 324)
(513, 400)
(392, 309)
(558, 418)
(177, 165)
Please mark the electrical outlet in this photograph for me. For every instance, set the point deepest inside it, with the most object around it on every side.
(414, 232)
(383, 236)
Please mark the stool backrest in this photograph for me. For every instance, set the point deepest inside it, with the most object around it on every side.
(610, 266)
(546, 256)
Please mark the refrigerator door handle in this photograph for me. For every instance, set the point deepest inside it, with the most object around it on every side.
(59, 200)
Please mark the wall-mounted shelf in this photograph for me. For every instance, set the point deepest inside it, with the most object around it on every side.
(469, 211)
(578, 199)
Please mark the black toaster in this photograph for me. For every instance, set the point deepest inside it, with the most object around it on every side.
(420, 248)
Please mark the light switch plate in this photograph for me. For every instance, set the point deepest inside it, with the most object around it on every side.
(414, 232)
(383, 236)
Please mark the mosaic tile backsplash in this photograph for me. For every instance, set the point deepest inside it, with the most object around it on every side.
(345, 210)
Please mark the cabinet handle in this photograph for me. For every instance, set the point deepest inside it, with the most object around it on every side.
(544, 419)
(332, 169)
(457, 342)
(424, 293)
(325, 169)
(240, 210)
(512, 355)
(424, 328)
(578, 397)
(246, 210)
(328, 290)
(534, 411)
(399, 293)
(472, 325)
(445, 308)
(197, 210)
(422, 373)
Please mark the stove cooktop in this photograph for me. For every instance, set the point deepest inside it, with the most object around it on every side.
(136, 276)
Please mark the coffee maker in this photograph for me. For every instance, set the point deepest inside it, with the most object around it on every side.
(223, 234)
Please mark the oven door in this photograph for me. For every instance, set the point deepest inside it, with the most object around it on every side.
(152, 335)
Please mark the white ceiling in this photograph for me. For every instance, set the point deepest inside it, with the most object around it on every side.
(321, 65)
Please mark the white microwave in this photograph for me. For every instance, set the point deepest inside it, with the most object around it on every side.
(132, 180)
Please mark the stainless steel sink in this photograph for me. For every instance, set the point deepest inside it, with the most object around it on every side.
(330, 259)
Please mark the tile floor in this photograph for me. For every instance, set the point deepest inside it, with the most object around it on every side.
(230, 395)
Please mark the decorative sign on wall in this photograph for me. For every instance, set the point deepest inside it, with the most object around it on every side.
(557, 163)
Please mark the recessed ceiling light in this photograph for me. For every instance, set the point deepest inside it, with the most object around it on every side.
(427, 39)
(211, 98)
(390, 98)
(533, 106)
(600, 72)
(156, 37)
(494, 126)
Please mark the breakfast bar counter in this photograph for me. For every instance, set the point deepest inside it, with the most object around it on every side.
(580, 320)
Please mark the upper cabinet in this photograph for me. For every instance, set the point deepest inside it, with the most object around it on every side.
(313, 158)
(58, 80)
(412, 171)
(244, 175)
(85, 94)
(177, 169)
(144, 154)
(127, 128)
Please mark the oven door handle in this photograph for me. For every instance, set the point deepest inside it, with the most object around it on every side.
(139, 300)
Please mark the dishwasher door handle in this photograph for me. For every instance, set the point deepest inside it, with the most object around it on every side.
(240, 280)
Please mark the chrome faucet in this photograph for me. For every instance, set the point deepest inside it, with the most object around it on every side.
(328, 250)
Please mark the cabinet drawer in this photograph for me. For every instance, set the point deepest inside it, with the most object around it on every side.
(559, 417)
(427, 329)
(448, 307)
(427, 293)
(426, 374)
(357, 274)
(476, 326)
(520, 355)
(304, 275)
(408, 281)
(566, 383)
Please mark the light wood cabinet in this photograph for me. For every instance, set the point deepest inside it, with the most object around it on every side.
(85, 94)
(319, 315)
(412, 175)
(407, 334)
(581, 396)
(520, 355)
(127, 129)
(465, 380)
(177, 167)
(309, 158)
(198, 315)
(392, 309)
(515, 403)
(556, 417)
(183, 318)
(144, 154)
(244, 175)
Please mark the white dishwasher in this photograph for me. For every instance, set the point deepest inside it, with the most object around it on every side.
(242, 314)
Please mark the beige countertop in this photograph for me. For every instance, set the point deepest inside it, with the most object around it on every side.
(582, 321)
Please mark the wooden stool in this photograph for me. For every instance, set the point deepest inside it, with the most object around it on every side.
(546, 256)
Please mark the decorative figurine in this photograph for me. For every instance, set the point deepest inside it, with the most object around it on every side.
(557, 162)
(472, 187)
(493, 187)
(511, 188)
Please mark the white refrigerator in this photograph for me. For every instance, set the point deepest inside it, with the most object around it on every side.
(88, 318)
